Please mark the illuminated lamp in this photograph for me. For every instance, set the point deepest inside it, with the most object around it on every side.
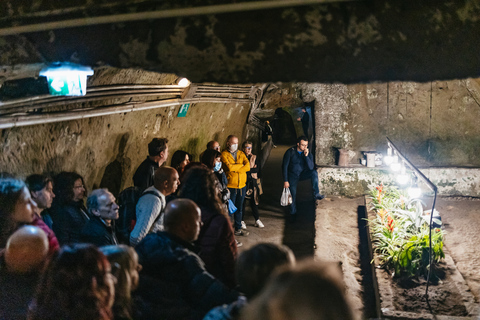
(403, 178)
(184, 82)
(67, 79)
(414, 192)
(388, 159)
(395, 165)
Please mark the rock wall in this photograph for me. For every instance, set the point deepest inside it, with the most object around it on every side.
(433, 124)
(110, 148)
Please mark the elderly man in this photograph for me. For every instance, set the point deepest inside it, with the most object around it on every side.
(169, 259)
(157, 155)
(236, 166)
(103, 210)
(149, 209)
(20, 268)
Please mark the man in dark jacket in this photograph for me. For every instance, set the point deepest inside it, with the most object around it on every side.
(157, 155)
(305, 119)
(298, 165)
(168, 257)
(103, 210)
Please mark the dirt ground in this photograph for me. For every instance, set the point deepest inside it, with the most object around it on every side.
(329, 230)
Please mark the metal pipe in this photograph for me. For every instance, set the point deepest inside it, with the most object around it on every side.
(163, 14)
(107, 110)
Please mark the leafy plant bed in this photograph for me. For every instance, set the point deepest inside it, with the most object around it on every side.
(404, 297)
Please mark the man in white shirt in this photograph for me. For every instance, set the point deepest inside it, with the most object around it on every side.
(150, 207)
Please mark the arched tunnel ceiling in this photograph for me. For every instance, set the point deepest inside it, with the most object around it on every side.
(348, 42)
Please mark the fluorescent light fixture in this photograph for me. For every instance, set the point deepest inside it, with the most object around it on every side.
(184, 82)
(66, 79)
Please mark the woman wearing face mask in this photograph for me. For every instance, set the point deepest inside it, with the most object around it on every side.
(212, 159)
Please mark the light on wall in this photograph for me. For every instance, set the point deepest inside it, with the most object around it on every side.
(184, 82)
(66, 79)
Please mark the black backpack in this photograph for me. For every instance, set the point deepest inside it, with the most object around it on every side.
(127, 217)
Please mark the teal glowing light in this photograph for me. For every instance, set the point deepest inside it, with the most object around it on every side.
(67, 79)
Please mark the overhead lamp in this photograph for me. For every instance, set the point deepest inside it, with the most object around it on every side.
(184, 82)
(66, 79)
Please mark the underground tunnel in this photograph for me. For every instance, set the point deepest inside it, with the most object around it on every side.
(365, 71)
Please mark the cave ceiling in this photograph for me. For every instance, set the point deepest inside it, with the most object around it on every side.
(326, 41)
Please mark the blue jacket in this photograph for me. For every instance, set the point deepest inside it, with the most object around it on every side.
(173, 264)
(294, 163)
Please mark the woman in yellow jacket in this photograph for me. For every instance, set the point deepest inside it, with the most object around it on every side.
(236, 166)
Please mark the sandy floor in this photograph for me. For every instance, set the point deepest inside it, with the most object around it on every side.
(331, 231)
(461, 218)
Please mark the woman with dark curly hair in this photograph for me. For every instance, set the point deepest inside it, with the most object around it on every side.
(216, 240)
(77, 285)
(69, 214)
(17, 207)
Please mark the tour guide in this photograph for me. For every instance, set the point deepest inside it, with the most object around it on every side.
(297, 166)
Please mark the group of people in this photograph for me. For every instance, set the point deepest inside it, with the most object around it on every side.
(62, 259)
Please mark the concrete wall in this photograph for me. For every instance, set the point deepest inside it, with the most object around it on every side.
(433, 124)
(354, 181)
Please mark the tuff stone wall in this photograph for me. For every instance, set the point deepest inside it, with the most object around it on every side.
(433, 124)
(355, 181)
(107, 150)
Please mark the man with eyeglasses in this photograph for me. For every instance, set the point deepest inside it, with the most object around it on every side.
(297, 166)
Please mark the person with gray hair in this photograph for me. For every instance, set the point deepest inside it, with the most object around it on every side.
(103, 210)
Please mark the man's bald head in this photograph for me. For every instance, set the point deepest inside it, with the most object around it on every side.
(166, 180)
(26, 250)
(183, 219)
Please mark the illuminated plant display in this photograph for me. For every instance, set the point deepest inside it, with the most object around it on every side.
(400, 232)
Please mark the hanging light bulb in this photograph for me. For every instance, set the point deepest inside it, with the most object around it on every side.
(414, 192)
(403, 177)
(395, 165)
(388, 159)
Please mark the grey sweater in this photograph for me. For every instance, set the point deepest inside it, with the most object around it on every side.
(147, 210)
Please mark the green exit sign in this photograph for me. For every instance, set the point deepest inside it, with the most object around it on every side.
(183, 110)
(66, 79)
(66, 85)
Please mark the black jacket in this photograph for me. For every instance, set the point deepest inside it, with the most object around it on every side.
(143, 177)
(294, 163)
(98, 233)
(68, 221)
(182, 274)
